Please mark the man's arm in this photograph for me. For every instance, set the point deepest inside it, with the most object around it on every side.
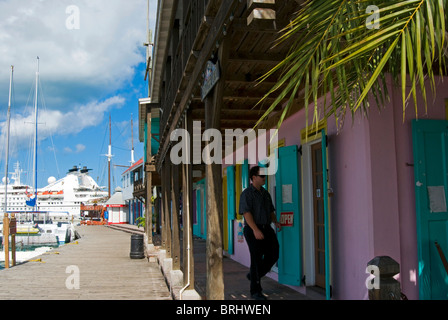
(251, 223)
(274, 220)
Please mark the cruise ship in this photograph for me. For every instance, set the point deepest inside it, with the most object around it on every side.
(60, 199)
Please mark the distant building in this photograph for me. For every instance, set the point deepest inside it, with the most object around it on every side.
(377, 187)
(135, 204)
(117, 210)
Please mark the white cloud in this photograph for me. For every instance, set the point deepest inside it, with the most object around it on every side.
(85, 73)
(102, 53)
(78, 149)
(57, 122)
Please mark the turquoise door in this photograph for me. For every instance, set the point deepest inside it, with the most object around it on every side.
(231, 205)
(200, 227)
(245, 174)
(326, 216)
(288, 213)
(430, 147)
(198, 220)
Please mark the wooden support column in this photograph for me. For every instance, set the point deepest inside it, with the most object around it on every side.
(187, 210)
(6, 239)
(148, 178)
(175, 248)
(214, 251)
(163, 206)
(167, 207)
(157, 210)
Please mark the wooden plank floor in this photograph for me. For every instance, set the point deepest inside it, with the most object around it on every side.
(105, 271)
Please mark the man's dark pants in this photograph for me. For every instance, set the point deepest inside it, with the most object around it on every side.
(263, 254)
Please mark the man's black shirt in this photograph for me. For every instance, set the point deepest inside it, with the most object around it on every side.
(257, 202)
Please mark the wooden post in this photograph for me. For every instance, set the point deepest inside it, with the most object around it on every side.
(386, 287)
(6, 239)
(187, 211)
(148, 207)
(13, 231)
(167, 207)
(163, 207)
(214, 254)
(148, 175)
(157, 211)
(175, 210)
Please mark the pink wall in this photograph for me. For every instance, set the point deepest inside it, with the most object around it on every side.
(405, 175)
(374, 202)
(373, 207)
(351, 208)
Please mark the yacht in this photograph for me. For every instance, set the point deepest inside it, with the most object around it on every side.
(61, 199)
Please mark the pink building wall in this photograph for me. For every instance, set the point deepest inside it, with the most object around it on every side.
(373, 207)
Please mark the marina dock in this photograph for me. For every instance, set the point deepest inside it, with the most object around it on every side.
(95, 267)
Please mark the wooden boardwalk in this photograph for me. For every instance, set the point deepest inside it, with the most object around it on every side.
(105, 271)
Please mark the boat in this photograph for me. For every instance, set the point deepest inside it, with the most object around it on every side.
(61, 198)
(45, 216)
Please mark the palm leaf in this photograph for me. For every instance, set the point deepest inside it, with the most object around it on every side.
(333, 51)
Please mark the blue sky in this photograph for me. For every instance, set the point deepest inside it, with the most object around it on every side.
(92, 63)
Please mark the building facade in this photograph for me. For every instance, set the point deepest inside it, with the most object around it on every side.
(376, 187)
(129, 179)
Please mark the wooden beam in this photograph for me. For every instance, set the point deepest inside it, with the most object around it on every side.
(249, 80)
(250, 96)
(213, 180)
(167, 212)
(241, 25)
(187, 217)
(262, 18)
(175, 252)
(157, 211)
(215, 34)
(228, 114)
(252, 4)
(148, 178)
(256, 57)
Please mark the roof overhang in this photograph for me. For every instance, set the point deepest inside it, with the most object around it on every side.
(166, 11)
(142, 111)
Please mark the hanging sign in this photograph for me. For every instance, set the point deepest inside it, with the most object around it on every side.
(287, 219)
(211, 77)
(13, 226)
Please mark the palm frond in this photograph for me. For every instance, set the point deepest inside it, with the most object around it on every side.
(334, 50)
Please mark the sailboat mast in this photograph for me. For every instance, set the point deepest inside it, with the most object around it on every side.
(7, 139)
(110, 153)
(35, 136)
(132, 140)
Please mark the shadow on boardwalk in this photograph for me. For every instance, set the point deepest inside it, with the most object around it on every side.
(99, 262)
(236, 285)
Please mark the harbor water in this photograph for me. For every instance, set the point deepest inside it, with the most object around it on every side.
(25, 253)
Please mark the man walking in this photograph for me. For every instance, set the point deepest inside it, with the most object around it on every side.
(259, 212)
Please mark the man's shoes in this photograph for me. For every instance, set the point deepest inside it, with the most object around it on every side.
(259, 296)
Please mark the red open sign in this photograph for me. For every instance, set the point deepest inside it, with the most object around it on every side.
(287, 219)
